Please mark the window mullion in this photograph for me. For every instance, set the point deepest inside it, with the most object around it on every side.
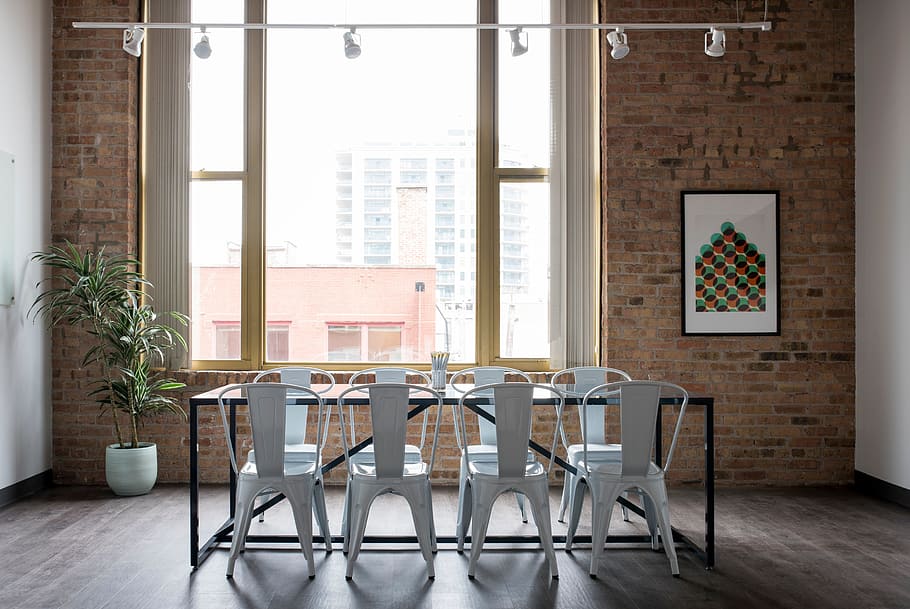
(252, 273)
(487, 191)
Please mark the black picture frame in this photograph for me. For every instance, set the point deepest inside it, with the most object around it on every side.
(730, 262)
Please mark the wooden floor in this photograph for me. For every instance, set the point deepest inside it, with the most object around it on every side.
(83, 548)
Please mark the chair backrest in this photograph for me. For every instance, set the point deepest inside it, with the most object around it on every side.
(582, 379)
(387, 374)
(486, 375)
(514, 406)
(638, 404)
(295, 429)
(267, 403)
(388, 405)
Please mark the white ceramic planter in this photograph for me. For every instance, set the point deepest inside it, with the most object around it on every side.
(131, 471)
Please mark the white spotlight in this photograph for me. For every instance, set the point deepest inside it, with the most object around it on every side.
(352, 44)
(718, 45)
(132, 40)
(619, 42)
(203, 49)
(519, 41)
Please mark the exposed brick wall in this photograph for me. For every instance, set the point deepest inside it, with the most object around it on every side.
(93, 198)
(775, 113)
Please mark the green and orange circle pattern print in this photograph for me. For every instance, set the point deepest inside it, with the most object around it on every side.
(730, 274)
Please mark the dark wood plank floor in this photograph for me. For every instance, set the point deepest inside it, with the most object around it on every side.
(82, 548)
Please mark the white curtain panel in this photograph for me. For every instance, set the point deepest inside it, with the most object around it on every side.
(575, 188)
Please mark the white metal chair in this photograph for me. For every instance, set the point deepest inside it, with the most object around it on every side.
(296, 446)
(638, 404)
(388, 472)
(390, 374)
(486, 450)
(484, 481)
(413, 453)
(578, 381)
(298, 480)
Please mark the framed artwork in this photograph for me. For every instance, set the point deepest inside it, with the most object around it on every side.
(730, 262)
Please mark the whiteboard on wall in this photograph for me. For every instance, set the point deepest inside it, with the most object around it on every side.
(7, 233)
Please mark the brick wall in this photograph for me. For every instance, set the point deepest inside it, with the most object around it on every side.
(93, 198)
(775, 113)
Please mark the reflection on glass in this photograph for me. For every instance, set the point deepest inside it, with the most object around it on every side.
(370, 183)
(524, 260)
(216, 236)
(524, 88)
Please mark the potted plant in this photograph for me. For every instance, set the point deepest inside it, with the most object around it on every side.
(103, 294)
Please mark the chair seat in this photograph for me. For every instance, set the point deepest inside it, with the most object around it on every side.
(596, 453)
(293, 453)
(487, 453)
(614, 469)
(368, 470)
(365, 457)
(491, 469)
(290, 469)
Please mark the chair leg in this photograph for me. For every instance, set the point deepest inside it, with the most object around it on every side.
(624, 509)
(651, 518)
(539, 498)
(565, 501)
(463, 519)
(579, 486)
(520, 499)
(601, 513)
(658, 491)
(482, 507)
(242, 517)
(433, 546)
(420, 502)
(345, 519)
(265, 499)
(361, 500)
(322, 517)
(301, 505)
(465, 508)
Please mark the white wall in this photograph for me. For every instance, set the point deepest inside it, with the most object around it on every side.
(25, 131)
(883, 240)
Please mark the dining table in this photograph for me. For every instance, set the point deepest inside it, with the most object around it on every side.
(233, 400)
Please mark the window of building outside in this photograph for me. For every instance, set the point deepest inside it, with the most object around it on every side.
(376, 186)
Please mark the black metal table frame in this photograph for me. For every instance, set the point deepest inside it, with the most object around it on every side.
(223, 533)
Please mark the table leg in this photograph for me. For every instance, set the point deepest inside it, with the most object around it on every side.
(194, 485)
(709, 484)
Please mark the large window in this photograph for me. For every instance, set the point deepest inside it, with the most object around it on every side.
(374, 209)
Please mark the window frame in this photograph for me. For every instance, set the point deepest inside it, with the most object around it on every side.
(489, 176)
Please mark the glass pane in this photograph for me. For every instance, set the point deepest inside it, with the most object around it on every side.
(368, 180)
(524, 260)
(216, 236)
(524, 87)
(217, 90)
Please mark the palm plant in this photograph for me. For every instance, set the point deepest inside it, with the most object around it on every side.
(101, 293)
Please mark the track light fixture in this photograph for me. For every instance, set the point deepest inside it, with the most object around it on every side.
(352, 44)
(203, 49)
(519, 41)
(620, 43)
(718, 45)
(132, 40)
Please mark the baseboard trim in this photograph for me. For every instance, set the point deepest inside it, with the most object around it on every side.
(24, 488)
(882, 489)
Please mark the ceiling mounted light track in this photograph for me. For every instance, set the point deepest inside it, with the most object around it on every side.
(133, 32)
